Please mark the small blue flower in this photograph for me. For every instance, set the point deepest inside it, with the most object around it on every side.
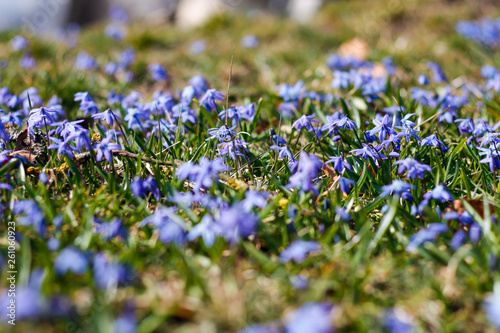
(158, 72)
(426, 235)
(298, 250)
(310, 317)
(71, 259)
(208, 101)
(305, 121)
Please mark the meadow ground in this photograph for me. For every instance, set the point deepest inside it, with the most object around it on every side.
(346, 180)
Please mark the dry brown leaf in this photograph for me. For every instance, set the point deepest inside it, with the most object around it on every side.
(356, 47)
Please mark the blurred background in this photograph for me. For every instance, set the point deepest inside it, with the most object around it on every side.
(46, 16)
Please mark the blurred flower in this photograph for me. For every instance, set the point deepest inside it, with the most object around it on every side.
(425, 235)
(250, 41)
(298, 250)
(19, 43)
(198, 46)
(71, 259)
(208, 101)
(105, 148)
(305, 121)
(311, 318)
(158, 72)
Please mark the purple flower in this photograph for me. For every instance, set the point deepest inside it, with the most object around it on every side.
(108, 116)
(398, 321)
(158, 72)
(426, 235)
(433, 141)
(272, 327)
(27, 62)
(413, 168)
(71, 259)
(105, 148)
(423, 80)
(85, 62)
(254, 199)
(109, 230)
(115, 31)
(291, 93)
(19, 43)
(438, 75)
(235, 223)
(439, 193)
(250, 41)
(465, 126)
(382, 126)
(208, 101)
(29, 214)
(207, 229)
(108, 274)
(367, 152)
(399, 188)
(345, 184)
(344, 123)
(63, 147)
(198, 46)
(339, 164)
(492, 308)
(491, 156)
(298, 250)
(170, 226)
(310, 317)
(305, 121)
(299, 282)
(308, 169)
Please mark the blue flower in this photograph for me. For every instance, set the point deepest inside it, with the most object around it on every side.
(208, 101)
(27, 62)
(29, 214)
(438, 75)
(305, 121)
(109, 230)
(399, 188)
(465, 126)
(423, 80)
(63, 147)
(311, 318)
(339, 164)
(170, 226)
(367, 152)
(308, 169)
(235, 223)
(105, 148)
(299, 282)
(491, 156)
(85, 62)
(433, 141)
(158, 72)
(492, 308)
(19, 43)
(345, 184)
(398, 321)
(298, 250)
(198, 46)
(439, 193)
(108, 116)
(207, 229)
(344, 123)
(250, 41)
(382, 126)
(413, 168)
(108, 274)
(426, 235)
(71, 259)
